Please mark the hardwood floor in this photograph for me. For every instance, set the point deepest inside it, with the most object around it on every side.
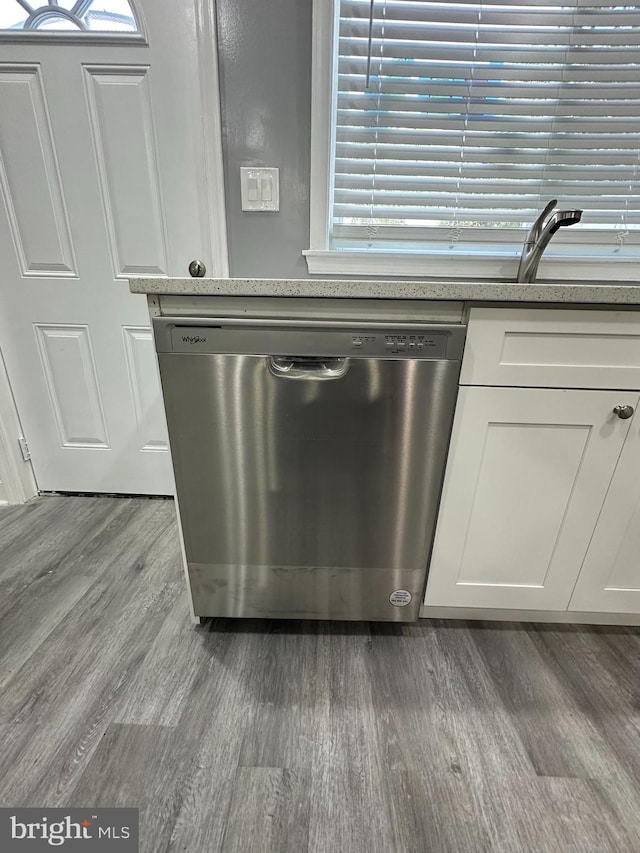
(297, 736)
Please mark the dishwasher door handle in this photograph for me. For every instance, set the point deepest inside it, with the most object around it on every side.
(316, 367)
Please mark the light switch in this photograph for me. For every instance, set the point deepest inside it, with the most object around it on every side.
(267, 191)
(260, 188)
(252, 189)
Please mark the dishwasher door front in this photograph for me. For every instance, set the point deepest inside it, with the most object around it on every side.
(308, 489)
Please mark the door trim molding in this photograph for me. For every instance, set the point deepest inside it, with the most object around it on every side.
(213, 197)
(16, 474)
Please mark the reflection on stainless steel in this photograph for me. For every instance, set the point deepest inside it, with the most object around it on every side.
(309, 497)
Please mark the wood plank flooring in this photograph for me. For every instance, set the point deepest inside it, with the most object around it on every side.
(287, 737)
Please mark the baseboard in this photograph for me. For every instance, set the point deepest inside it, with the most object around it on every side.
(559, 616)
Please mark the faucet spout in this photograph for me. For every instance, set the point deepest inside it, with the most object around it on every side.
(539, 237)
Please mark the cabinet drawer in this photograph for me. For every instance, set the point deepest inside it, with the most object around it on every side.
(552, 348)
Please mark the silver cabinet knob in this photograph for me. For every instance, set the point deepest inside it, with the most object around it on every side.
(197, 269)
(623, 412)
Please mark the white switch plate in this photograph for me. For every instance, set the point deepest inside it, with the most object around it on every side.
(260, 188)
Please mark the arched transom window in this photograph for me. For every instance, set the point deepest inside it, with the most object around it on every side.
(107, 16)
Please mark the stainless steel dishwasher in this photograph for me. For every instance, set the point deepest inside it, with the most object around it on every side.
(308, 459)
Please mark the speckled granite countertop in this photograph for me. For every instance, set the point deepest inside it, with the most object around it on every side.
(614, 293)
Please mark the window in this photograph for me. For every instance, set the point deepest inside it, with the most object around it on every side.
(447, 126)
(106, 16)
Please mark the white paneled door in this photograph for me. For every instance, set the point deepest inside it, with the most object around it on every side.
(103, 169)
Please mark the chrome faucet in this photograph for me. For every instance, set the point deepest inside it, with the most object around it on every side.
(539, 236)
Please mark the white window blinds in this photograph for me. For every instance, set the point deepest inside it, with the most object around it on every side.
(472, 115)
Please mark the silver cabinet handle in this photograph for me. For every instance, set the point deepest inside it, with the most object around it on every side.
(623, 412)
(197, 269)
(308, 368)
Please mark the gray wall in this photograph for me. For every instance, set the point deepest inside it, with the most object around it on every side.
(264, 53)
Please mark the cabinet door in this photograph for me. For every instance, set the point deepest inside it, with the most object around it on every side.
(609, 581)
(527, 475)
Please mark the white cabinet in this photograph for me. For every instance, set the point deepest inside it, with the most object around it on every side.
(609, 581)
(527, 476)
(552, 348)
(540, 508)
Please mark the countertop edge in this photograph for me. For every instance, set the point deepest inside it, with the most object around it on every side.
(468, 291)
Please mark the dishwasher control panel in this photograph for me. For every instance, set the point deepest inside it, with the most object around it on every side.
(429, 345)
(281, 338)
(414, 345)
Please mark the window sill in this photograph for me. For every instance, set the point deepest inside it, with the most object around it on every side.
(371, 263)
